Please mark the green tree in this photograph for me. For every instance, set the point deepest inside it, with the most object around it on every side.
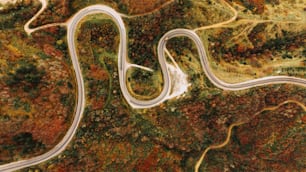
(26, 142)
(26, 74)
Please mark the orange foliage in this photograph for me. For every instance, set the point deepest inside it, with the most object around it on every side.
(259, 5)
(150, 163)
(143, 6)
(97, 73)
(241, 48)
(304, 119)
(97, 104)
(51, 51)
(46, 131)
(194, 112)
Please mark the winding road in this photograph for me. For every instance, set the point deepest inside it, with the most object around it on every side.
(216, 81)
(123, 66)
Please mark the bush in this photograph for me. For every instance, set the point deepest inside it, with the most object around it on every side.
(26, 142)
(26, 75)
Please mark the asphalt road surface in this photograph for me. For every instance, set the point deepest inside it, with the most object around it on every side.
(123, 66)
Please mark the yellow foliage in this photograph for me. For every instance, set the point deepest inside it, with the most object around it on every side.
(13, 50)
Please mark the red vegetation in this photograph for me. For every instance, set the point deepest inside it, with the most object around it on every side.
(258, 4)
(142, 6)
(46, 131)
(150, 163)
(98, 73)
(51, 51)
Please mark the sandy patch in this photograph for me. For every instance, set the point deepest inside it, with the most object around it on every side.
(5, 2)
(179, 82)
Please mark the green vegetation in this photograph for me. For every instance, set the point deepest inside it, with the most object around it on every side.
(26, 74)
(65, 99)
(15, 16)
(145, 32)
(144, 83)
(26, 142)
(286, 56)
(23, 143)
(17, 103)
(30, 68)
(168, 137)
(43, 56)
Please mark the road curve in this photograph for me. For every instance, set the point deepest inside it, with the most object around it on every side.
(123, 66)
(44, 4)
(215, 80)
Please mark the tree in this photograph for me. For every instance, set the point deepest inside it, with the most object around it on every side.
(26, 142)
(26, 74)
